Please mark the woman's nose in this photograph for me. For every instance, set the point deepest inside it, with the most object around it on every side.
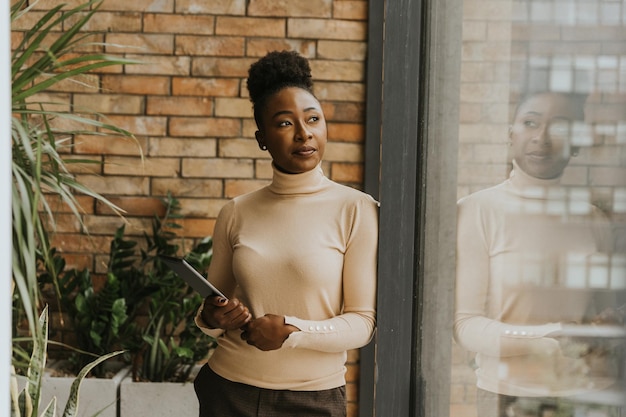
(303, 133)
(541, 135)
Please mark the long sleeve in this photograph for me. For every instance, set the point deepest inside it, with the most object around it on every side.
(474, 328)
(304, 248)
(354, 327)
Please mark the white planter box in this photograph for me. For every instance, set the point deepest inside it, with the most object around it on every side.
(96, 396)
(158, 399)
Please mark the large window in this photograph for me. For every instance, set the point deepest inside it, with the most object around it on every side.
(517, 108)
(542, 257)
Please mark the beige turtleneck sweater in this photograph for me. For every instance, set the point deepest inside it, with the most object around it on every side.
(525, 256)
(303, 247)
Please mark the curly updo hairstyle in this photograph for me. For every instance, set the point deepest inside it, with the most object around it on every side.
(272, 73)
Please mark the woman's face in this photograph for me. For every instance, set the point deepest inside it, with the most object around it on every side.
(541, 134)
(294, 130)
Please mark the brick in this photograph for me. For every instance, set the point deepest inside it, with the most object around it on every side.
(136, 84)
(340, 91)
(49, 4)
(260, 46)
(206, 87)
(106, 225)
(210, 45)
(116, 185)
(233, 188)
(138, 43)
(52, 101)
(63, 223)
(86, 83)
(250, 26)
(485, 92)
(195, 126)
(201, 207)
(151, 166)
(263, 167)
(160, 65)
(134, 206)
(350, 10)
(338, 70)
(179, 106)
(91, 165)
(352, 373)
(217, 168)
(474, 30)
(113, 22)
(221, 67)
(57, 205)
(197, 227)
(27, 20)
(326, 29)
(109, 103)
(344, 112)
(347, 173)
(343, 152)
(486, 10)
(161, 6)
(140, 125)
(342, 50)
(179, 24)
(249, 128)
(486, 52)
(216, 7)
(110, 145)
(239, 148)
(346, 132)
(16, 39)
(608, 176)
(78, 261)
(187, 187)
(180, 147)
(233, 107)
(290, 8)
(79, 243)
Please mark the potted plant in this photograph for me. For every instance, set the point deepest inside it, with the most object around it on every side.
(172, 345)
(143, 308)
(43, 57)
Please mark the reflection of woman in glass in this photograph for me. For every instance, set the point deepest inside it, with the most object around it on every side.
(522, 250)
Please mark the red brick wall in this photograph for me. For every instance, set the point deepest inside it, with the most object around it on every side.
(188, 107)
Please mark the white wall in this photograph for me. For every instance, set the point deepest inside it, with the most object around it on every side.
(5, 207)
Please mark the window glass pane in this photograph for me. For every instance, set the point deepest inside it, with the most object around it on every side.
(540, 293)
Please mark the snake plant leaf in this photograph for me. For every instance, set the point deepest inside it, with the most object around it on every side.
(71, 408)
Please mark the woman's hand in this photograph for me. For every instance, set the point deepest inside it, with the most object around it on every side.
(268, 332)
(220, 313)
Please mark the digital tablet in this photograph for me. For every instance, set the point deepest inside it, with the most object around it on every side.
(191, 276)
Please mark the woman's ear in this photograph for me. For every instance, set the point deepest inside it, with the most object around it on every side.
(259, 140)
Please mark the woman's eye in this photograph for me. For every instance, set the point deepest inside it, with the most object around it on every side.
(284, 123)
(313, 119)
(530, 123)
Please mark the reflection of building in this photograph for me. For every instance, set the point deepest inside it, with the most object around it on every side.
(510, 47)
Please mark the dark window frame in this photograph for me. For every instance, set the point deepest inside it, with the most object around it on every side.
(410, 166)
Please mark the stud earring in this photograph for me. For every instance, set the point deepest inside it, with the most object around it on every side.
(264, 147)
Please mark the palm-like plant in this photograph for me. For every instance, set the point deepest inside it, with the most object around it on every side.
(48, 53)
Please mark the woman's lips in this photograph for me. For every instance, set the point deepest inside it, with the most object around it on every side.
(304, 151)
(539, 156)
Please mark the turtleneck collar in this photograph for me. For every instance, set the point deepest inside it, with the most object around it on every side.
(305, 183)
(532, 187)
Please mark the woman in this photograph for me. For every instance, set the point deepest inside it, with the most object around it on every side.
(523, 247)
(297, 261)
